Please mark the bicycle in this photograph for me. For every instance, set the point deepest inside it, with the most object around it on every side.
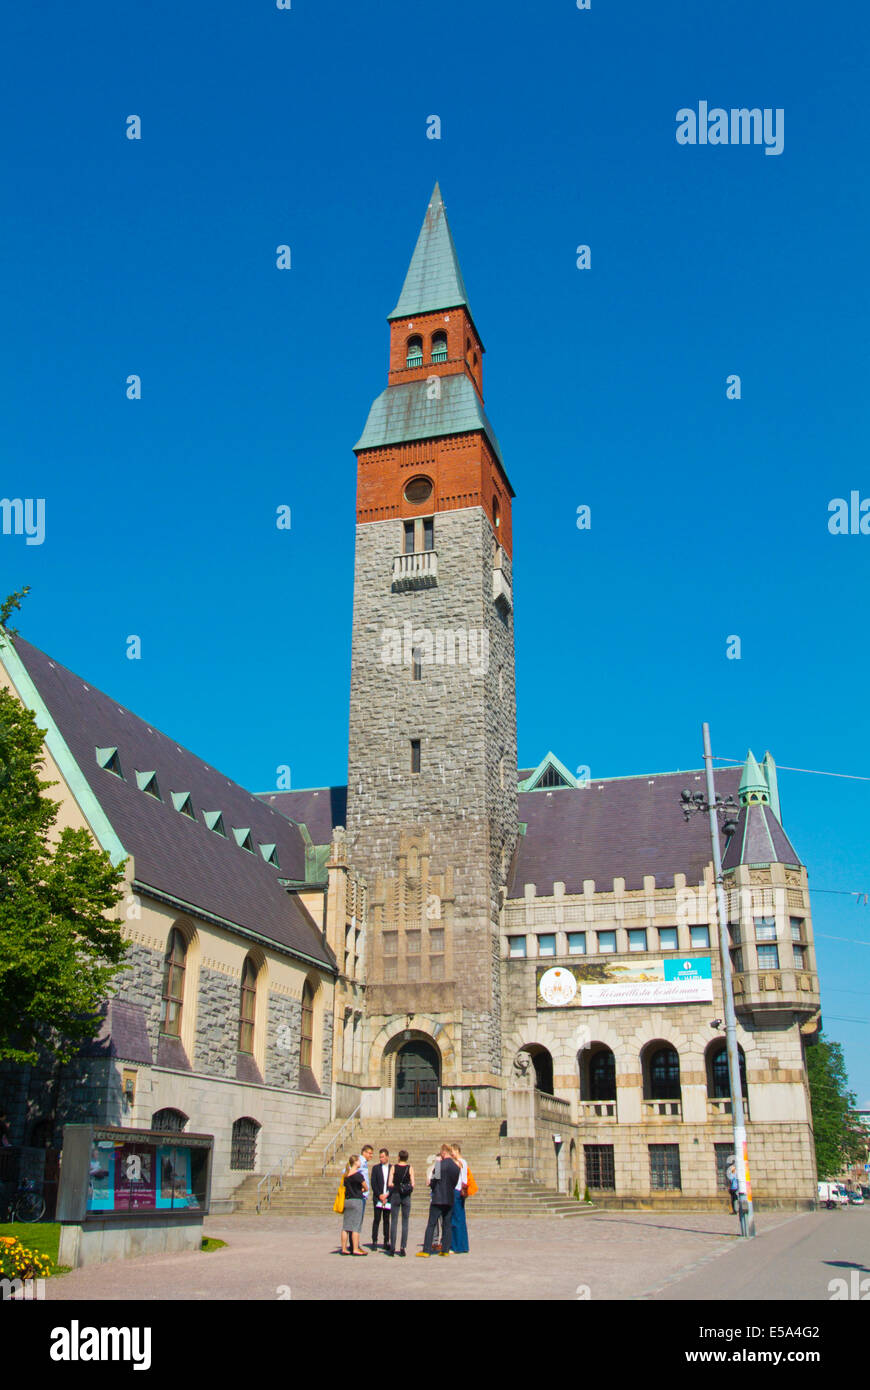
(27, 1204)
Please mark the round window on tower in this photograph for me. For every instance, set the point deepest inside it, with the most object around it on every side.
(418, 490)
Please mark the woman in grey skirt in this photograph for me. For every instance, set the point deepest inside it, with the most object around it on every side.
(354, 1206)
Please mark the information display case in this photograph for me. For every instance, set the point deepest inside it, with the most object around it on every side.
(136, 1179)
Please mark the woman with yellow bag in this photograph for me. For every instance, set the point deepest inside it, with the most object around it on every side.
(351, 1205)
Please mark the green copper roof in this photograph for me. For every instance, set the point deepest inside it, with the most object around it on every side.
(769, 769)
(753, 780)
(434, 280)
(548, 763)
(406, 412)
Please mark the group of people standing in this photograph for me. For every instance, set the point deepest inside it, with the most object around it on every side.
(391, 1186)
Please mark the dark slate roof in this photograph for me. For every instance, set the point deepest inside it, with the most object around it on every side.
(319, 809)
(123, 1033)
(173, 854)
(625, 827)
(406, 412)
(758, 839)
(434, 280)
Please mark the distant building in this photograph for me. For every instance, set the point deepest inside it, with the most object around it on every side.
(537, 945)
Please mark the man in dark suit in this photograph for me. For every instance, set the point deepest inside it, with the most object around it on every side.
(380, 1197)
(443, 1182)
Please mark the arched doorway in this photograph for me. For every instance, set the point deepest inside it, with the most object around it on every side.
(542, 1062)
(418, 1077)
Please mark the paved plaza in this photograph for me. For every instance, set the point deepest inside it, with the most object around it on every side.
(601, 1256)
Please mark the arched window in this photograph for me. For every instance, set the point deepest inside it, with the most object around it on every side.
(720, 1084)
(415, 352)
(496, 513)
(173, 984)
(602, 1075)
(169, 1121)
(243, 1152)
(439, 347)
(664, 1074)
(305, 1053)
(248, 1006)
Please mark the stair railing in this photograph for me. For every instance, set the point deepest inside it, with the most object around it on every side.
(350, 1125)
(274, 1179)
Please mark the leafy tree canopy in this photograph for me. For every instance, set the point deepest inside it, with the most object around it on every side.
(838, 1139)
(59, 948)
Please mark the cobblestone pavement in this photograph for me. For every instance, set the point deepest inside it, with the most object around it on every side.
(611, 1255)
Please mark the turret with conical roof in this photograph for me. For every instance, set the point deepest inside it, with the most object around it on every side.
(759, 837)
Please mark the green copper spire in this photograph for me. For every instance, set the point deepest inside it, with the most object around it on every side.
(434, 280)
(769, 769)
(753, 786)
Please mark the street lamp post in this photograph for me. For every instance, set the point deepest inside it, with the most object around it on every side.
(714, 806)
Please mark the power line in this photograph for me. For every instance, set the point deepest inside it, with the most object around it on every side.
(816, 772)
(839, 1019)
(853, 940)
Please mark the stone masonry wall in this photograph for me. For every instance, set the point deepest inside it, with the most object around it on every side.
(217, 1023)
(283, 1040)
(465, 716)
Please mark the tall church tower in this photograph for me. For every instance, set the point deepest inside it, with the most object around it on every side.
(432, 775)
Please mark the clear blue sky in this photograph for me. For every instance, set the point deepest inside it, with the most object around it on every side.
(606, 387)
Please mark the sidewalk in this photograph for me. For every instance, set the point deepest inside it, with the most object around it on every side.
(611, 1255)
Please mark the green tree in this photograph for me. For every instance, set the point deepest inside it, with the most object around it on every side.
(838, 1141)
(59, 950)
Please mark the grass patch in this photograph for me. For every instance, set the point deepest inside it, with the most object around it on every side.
(42, 1236)
(209, 1243)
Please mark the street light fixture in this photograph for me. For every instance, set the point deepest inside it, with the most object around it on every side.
(716, 807)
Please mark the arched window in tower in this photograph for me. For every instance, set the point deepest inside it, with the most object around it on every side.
(306, 1049)
(173, 984)
(415, 352)
(496, 513)
(248, 1006)
(439, 347)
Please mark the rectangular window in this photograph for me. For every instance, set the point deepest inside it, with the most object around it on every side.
(436, 940)
(606, 942)
(412, 943)
(699, 936)
(546, 945)
(429, 533)
(734, 930)
(768, 957)
(797, 928)
(724, 1152)
(599, 1166)
(800, 956)
(409, 538)
(667, 938)
(436, 967)
(637, 939)
(737, 961)
(517, 946)
(664, 1167)
(415, 755)
(576, 943)
(412, 966)
(765, 928)
(417, 664)
(391, 943)
(391, 969)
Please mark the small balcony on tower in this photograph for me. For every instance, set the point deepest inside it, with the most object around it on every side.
(417, 570)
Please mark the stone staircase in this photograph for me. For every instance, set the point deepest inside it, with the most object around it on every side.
(500, 1167)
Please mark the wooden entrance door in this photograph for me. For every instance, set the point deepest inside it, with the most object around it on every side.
(417, 1080)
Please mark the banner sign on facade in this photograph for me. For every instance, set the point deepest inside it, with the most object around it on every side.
(680, 980)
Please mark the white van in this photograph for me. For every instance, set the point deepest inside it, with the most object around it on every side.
(831, 1195)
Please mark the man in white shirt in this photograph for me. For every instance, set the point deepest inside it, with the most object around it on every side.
(381, 1197)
